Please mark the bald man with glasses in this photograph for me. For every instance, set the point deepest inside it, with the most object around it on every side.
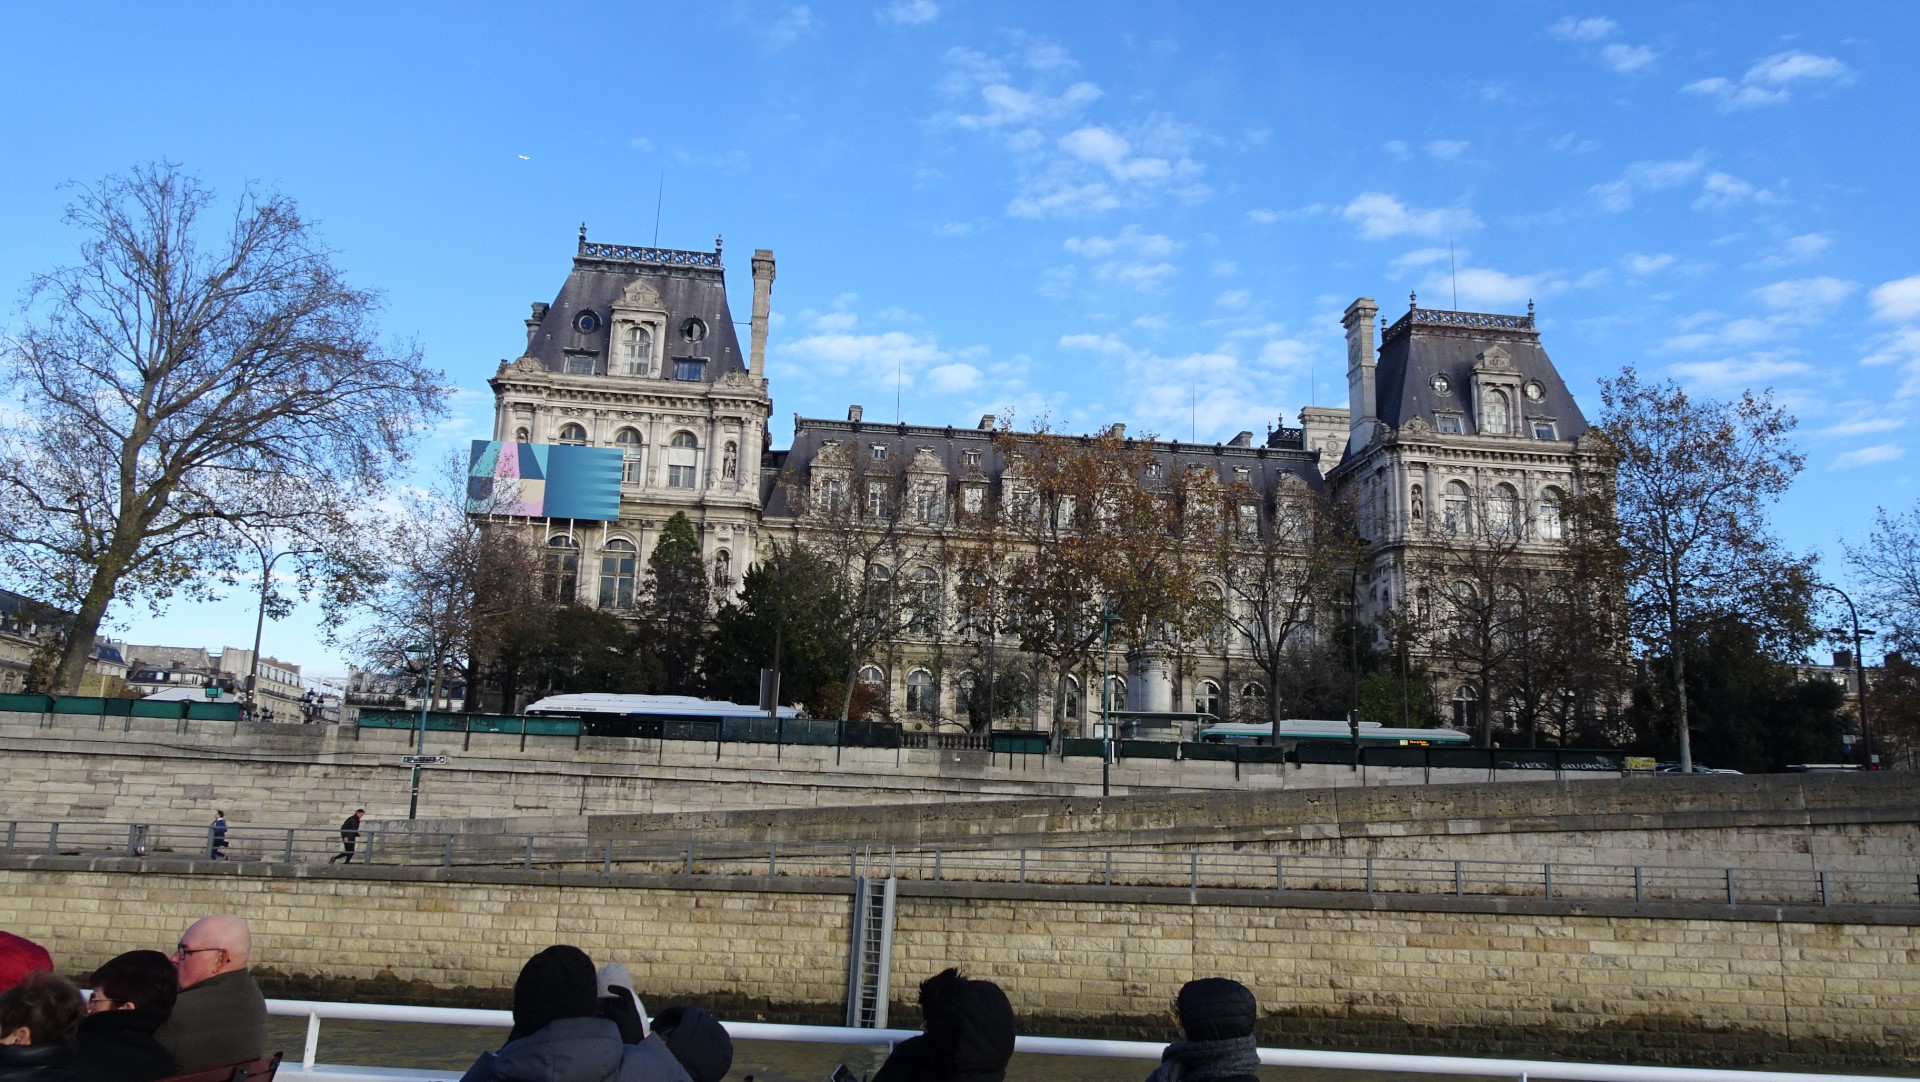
(220, 1016)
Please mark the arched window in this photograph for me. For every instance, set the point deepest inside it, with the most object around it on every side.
(1503, 511)
(872, 675)
(1116, 696)
(925, 600)
(730, 460)
(683, 460)
(637, 351)
(1207, 699)
(1499, 414)
(521, 435)
(1073, 698)
(1253, 692)
(964, 688)
(1459, 517)
(1466, 708)
(723, 569)
(572, 435)
(1548, 522)
(562, 570)
(617, 562)
(919, 692)
(632, 461)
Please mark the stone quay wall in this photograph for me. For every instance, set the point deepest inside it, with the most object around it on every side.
(1662, 982)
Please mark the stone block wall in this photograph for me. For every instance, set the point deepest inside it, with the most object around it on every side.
(1634, 983)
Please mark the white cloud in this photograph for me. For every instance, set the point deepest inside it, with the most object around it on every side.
(1734, 373)
(1863, 426)
(1262, 216)
(1234, 299)
(1626, 59)
(1114, 153)
(1722, 190)
(1796, 250)
(1131, 239)
(1482, 288)
(1397, 149)
(1421, 257)
(1098, 343)
(640, 143)
(1645, 176)
(1804, 294)
(1224, 268)
(1006, 105)
(1446, 150)
(1640, 265)
(1595, 28)
(786, 28)
(1379, 215)
(835, 322)
(1897, 300)
(1064, 201)
(1868, 456)
(1772, 81)
(951, 378)
(908, 12)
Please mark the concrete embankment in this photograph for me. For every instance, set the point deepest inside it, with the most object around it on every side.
(1670, 982)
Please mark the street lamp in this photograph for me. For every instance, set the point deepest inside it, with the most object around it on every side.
(422, 655)
(260, 617)
(1107, 620)
(1859, 671)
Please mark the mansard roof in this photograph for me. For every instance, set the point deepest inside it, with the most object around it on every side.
(1284, 455)
(691, 285)
(1428, 342)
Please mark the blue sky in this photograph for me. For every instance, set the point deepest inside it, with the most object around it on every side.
(1150, 213)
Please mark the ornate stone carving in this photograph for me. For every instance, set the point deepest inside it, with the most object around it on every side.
(640, 295)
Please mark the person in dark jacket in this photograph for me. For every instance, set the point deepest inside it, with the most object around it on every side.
(37, 1019)
(968, 1034)
(221, 1016)
(132, 996)
(698, 1041)
(1216, 1035)
(560, 1034)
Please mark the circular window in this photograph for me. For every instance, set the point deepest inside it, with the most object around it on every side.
(1534, 391)
(1442, 385)
(586, 323)
(693, 330)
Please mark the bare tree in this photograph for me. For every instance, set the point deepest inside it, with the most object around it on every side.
(180, 368)
(1693, 479)
(1888, 563)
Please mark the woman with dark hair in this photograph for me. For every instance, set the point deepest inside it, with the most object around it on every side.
(967, 1034)
(37, 1017)
(132, 996)
(1217, 1017)
(561, 1032)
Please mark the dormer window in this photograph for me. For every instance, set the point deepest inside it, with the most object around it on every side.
(579, 364)
(879, 452)
(1448, 424)
(586, 323)
(1545, 430)
(971, 458)
(689, 369)
(1153, 469)
(1242, 475)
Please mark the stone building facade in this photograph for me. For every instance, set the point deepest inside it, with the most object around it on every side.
(637, 352)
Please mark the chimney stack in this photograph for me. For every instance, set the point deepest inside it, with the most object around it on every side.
(762, 304)
(986, 422)
(1244, 439)
(1361, 408)
(534, 320)
(853, 414)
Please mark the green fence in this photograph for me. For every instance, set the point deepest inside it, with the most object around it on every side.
(94, 706)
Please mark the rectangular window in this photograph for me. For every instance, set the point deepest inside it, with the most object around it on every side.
(1448, 424)
(630, 470)
(579, 364)
(973, 458)
(972, 499)
(1544, 430)
(679, 476)
(688, 370)
(877, 499)
(879, 452)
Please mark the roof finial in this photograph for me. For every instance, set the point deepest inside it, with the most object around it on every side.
(1529, 307)
(716, 243)
(583, 237)
(1413, 299)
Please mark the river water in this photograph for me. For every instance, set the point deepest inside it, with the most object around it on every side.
(453, 1049)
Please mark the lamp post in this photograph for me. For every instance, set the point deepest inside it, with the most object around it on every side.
(425, 656)
(1107, 620)
(1859, 671)
(260, 618)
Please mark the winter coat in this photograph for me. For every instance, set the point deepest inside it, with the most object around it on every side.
(1230, 1059)
(221, 1020)
(119, 1046)
(577, 1050)
(970, 1040)
(36, 1063)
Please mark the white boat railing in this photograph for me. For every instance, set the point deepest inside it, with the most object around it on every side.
(1522, 1070)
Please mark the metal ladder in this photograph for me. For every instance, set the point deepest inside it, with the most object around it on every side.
(871, 965)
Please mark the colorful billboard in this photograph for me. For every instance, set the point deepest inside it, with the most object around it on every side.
(540, 480)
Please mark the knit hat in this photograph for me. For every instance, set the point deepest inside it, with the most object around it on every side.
(19, 957)
(698, 1041)
(1216, 1009)
(557, 983)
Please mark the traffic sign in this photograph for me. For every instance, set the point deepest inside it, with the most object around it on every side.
(423, 760)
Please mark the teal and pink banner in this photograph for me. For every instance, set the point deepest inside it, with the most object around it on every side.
(541, 480)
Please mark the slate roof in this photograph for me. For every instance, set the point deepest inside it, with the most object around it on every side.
(1427, 342)
(690, 284)
(789, 469)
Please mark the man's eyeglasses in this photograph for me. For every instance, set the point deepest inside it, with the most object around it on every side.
(181, 950)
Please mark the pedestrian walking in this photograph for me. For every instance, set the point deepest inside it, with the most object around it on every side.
(217, 837)
(349, 835)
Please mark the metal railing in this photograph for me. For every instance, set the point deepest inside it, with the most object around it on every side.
(1054, 866)
(315, 1012)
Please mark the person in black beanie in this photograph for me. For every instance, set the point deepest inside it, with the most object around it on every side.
(968, 1034)
(1216, 1035)
(698, 1041)
(561, 1035)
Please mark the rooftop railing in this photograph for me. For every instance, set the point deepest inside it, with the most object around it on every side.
(1059, 866)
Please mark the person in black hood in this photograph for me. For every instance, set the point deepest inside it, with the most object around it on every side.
(1216, 1035)
(560, 1034)
(968, 1034)
(132, 997)
(37, 1019)
(698, 1041)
